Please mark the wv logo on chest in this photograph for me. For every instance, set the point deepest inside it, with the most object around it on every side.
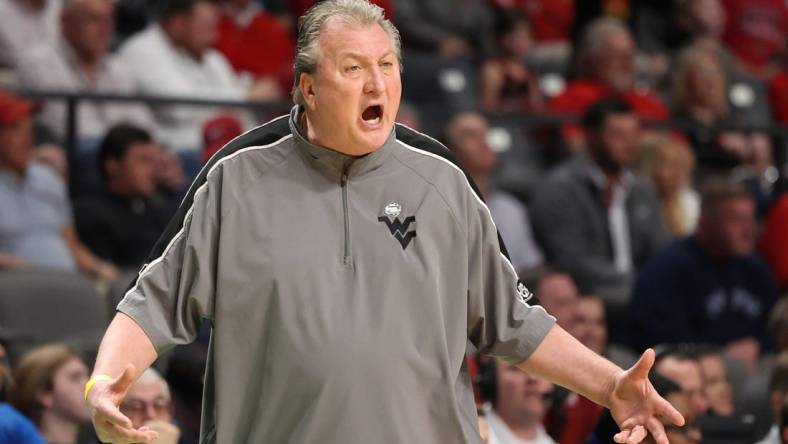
(398, 228)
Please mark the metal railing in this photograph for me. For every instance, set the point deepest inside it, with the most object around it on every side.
(73, 100)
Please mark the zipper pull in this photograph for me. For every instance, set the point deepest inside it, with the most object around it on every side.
(345, 169)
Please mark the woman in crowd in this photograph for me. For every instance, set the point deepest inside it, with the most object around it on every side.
(668, 162)
(700, 105)
(507, 83)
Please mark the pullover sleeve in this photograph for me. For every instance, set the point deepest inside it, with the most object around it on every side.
(501, 322)
(175, 290)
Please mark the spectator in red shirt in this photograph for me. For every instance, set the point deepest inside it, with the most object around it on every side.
(756, 31)
(606, 65)
(243, 25)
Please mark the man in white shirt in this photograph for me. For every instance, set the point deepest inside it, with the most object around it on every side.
(519, 403)
(25, 24)
(77, 61)
(174, 57)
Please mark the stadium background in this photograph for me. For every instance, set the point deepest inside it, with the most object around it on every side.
(504, 84)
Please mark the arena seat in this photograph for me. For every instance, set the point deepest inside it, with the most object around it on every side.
(37, 307)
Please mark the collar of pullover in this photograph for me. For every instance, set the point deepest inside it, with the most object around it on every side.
(335, 162)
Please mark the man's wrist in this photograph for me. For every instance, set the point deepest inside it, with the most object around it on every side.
(610, 387)
(92, 381)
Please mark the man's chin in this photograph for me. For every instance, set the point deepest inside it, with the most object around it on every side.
(373, 140)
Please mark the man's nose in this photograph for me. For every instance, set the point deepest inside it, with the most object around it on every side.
(150, 413)
(375, 81)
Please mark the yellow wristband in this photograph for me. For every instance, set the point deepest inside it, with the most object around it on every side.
(93, 380)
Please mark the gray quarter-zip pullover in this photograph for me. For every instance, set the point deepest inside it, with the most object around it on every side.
(342, 291)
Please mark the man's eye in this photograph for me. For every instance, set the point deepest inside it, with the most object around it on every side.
(387, 64)
(353, 68)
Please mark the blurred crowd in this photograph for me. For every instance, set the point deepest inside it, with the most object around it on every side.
(632, 154)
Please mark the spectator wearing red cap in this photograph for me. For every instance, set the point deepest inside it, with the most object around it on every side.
(217, 132)
(35, 225)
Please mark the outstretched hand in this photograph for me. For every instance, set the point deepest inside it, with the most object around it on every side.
(111, 425)
(636, 406)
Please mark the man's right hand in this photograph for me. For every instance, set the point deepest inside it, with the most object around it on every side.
(111, 425)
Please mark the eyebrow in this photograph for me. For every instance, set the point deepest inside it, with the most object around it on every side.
(356, 55)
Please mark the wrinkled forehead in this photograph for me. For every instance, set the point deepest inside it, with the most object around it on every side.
(339, 38)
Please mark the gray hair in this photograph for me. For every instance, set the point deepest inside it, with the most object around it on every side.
(351, 12)
(594, 36)
(151, 376)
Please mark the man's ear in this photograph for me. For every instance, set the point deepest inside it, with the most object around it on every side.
(46, 399)
(306, 85)
(112, 166)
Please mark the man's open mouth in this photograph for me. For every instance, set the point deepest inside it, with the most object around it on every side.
(372, 114)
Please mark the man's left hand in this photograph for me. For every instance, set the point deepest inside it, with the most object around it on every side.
(636, 406)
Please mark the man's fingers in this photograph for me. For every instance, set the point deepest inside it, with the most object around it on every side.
(621, 437)
(629, 424)
(122, 383)
(643, 366)
(657, 431)
(638, 434)
(672, 415)
(107, 412)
